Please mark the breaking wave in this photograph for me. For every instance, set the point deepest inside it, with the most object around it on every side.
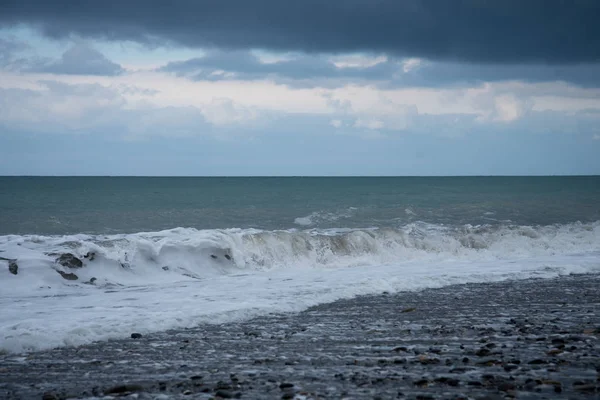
(72, 290)
(149, 256)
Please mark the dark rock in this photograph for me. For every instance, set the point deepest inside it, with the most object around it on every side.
(452, 382)
(510, 367)
(400, 348)
(488, 363)
(91, 281)
(165, 268)
(429, 361)
(90, 255)
(122, 389)
(196, 377)
(227, 256)
(224, 394)
(482, 352)
(223, 385)
(584, 387)
(213, 256)
(13, 267)
(506, 387)
(447, 381)
(465, 360)
(410, 309)
(68, 276)
(69, 260)
(538, 361)
(136, 335)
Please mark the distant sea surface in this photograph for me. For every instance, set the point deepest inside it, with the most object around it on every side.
(102, 205)
(85, 259)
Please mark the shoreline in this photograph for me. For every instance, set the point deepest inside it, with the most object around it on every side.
(534, 338)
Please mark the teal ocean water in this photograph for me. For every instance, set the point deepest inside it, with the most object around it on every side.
(85, 259)
(103, 205)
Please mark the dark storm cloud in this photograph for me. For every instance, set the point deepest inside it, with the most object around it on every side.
(309, 69)
(503, 31)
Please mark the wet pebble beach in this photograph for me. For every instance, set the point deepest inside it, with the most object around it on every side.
(530, 339)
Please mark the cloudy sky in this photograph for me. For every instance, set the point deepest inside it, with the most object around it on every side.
(307, 87)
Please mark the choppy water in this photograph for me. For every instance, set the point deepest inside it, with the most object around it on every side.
(173, 252)
(59, 206)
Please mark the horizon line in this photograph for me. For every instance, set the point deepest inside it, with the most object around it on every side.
(300, 176)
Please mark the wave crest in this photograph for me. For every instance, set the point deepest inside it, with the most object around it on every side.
(205, 253)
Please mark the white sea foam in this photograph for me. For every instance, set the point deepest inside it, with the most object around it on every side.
(316, 217)
(181, 277)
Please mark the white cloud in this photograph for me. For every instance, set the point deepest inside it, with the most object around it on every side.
(336, 123)
(410, 64)
(57, 107)
(357, 61)
(86, 101)
(509, 108)
(223, 111)
(372, 124)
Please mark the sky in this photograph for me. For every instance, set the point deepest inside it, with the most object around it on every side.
(307, 87)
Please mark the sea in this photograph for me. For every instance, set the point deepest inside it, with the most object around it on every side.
(160, 253)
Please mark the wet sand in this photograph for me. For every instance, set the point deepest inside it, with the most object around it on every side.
(529, 339)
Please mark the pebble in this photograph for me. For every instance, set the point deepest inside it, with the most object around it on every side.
(356, 348)
(121, 389)
(482, 352)
(224, 394)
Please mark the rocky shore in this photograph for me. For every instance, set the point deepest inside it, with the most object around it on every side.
(529, 339)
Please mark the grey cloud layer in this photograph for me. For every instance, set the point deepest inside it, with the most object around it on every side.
(505, 31)
(317, 69)
(219, 65)
(79, 59)
(92, 108)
